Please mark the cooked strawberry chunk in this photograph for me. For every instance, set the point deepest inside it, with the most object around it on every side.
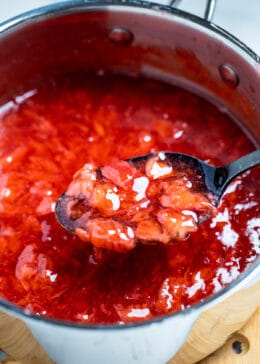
(108, 234)
(177, 225)
(149, 230)
(83, 181)
(105, 198)
(34, 269)
(179, 196)
(121, 173)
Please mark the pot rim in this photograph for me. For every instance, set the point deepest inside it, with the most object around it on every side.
(67, 7)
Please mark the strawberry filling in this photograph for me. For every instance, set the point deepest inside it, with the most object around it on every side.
(156, 202)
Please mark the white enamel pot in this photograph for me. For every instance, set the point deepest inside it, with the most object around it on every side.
(140, 39)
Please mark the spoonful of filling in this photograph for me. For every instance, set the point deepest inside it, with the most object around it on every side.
(155, 198)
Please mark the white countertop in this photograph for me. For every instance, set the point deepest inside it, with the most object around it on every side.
(240, 17)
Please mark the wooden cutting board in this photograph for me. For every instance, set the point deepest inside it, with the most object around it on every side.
(229, 327)
(243, 347)
(228, 333)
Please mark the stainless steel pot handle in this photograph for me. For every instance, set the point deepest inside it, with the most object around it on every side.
(209, 11)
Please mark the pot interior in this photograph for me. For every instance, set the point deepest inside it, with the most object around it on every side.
(140, 41)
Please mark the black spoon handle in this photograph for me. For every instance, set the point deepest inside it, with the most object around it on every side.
(225, 174)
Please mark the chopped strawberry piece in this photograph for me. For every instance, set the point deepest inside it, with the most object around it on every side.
(83, 181)
(83, 234)
(105, 198)
(120, 173)
(110, 234)
(149, 230)
(180, 197)
(177, 225)
(33, 269)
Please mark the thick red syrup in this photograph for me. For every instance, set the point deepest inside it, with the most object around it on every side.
(51, 132)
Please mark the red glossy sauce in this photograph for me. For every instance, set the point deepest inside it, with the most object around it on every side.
(46, 138)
